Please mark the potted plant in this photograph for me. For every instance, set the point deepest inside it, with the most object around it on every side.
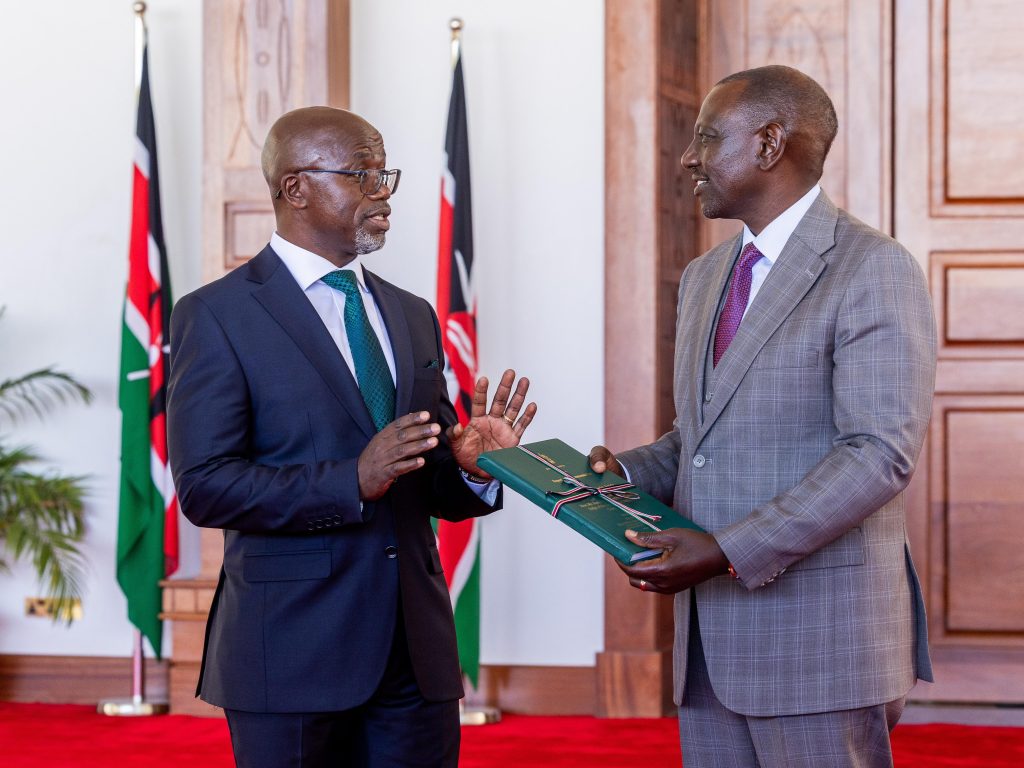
(42, 519)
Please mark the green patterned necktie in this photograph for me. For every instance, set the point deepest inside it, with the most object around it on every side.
(372, 372)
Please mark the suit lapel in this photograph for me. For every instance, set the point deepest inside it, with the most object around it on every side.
(791, 277)
(398, 332)
(281, 296)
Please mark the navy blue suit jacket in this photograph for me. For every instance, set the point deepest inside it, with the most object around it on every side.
(266, 424)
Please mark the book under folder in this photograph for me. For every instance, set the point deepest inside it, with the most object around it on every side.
(601, 507)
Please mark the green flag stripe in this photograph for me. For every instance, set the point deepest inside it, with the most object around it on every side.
(467, 622)
(141, 509)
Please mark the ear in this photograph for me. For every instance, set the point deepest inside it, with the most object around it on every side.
(291, 191)
(771, 146)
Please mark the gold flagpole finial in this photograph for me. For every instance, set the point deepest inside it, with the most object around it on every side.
(140, 42)
(456, 26)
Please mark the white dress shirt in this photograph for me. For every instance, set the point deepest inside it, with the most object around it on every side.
(773, 238)
(308, 268)
(770, 242)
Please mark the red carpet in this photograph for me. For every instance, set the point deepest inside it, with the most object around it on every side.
(60, 736)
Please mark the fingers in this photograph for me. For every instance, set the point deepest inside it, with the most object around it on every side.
(599, 458)
(641, 577)
(524, 421)
(479, 403)
(409, 420)
(653, 539)
(504, 407)
(395, 451)
(500, 401)
(375, 479)
(511, 410)
(412, 427)
(644, 585)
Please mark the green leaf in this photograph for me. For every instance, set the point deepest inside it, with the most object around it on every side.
(42, 517)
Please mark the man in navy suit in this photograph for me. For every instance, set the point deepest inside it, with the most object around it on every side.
(308, 418)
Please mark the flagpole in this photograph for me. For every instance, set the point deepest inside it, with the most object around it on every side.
(475, 715)
(456, 26)
(137, 705)
(141, 34)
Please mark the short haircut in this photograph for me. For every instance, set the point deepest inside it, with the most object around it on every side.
(787, 96)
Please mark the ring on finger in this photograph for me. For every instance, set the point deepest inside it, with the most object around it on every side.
(511, 422)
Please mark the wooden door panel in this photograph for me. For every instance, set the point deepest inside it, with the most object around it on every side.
(984, 519)
(978, 296)
(958, 205)
(260, 60)
(973, 79)
(985, 113)
(984, 304)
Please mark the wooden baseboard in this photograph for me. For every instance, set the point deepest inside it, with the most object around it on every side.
(528, 690)
(975, 676)
(76, 679)
(524, 690)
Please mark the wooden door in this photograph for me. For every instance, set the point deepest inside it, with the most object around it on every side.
(652, 96)
(662, 57)
(959, 207)
(847, 48)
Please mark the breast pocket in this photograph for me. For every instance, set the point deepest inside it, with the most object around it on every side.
(787, 356)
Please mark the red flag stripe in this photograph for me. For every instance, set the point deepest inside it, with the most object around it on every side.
(457, 542)
(146, 317)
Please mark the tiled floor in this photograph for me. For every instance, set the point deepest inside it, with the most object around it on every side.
(964, 715)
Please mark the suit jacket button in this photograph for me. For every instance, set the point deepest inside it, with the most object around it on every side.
(699, 461)
(707, 397)
(391, 551)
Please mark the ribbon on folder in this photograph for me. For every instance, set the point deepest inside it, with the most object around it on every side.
(613, 494)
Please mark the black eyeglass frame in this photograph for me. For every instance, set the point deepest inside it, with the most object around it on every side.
(382, 175)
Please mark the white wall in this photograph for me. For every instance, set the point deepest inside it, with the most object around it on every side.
(534, 75)
(67, 137)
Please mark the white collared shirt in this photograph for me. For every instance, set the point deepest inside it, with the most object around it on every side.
(308, 268)
(773, 238)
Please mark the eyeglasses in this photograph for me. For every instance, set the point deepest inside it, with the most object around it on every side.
(370, 180)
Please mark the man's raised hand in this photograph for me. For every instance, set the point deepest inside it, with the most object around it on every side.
(500, 426)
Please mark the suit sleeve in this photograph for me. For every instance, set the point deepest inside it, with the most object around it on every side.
(654, 467)
(209, 432)
(882, 384)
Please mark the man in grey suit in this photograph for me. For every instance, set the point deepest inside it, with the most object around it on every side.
(804, 373)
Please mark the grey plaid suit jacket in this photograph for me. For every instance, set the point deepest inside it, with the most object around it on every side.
(794, 453)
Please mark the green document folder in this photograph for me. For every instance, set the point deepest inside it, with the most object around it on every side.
(595, 517)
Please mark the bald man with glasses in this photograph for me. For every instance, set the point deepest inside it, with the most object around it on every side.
(308, 418)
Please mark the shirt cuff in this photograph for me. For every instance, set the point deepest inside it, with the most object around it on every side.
(486, 492)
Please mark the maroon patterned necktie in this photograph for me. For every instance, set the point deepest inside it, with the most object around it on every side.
(736, 301)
